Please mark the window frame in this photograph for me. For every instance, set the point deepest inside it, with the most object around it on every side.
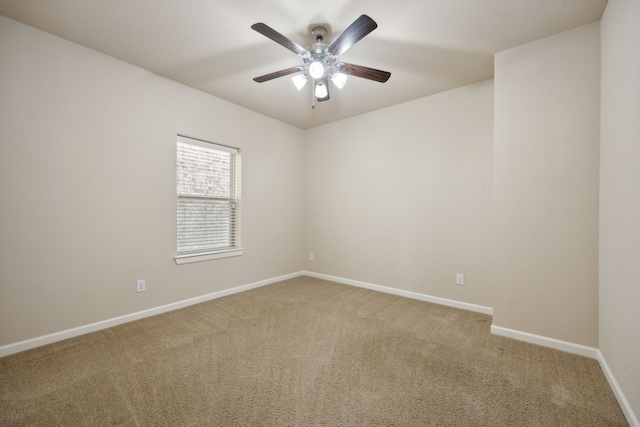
(210, 253)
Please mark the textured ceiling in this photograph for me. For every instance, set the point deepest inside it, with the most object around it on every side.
(428, 45)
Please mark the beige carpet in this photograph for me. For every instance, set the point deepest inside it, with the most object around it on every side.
(304, 352)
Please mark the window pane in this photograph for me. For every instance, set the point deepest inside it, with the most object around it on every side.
(205, 224)
(204, 172)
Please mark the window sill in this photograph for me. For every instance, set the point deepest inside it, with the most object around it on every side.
(207, 256)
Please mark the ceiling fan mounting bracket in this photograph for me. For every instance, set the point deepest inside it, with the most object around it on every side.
(319, 33)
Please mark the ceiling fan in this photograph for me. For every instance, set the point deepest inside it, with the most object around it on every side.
(320, 59)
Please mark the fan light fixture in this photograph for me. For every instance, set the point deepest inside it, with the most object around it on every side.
(300, 80)
(339, 79)
(321, 90)
(316, 70)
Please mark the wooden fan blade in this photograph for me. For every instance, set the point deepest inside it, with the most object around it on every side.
(363, 72)
(352, 35)
(277, 74)
(269, 32)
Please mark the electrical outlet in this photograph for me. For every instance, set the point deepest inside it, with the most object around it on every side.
(310, 256)
(141, 285)
(459, 279)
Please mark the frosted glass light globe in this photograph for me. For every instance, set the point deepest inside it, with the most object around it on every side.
(339, 79)
(321, 91)
(316, 70)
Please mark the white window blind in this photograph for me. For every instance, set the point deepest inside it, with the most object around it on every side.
(207, 196)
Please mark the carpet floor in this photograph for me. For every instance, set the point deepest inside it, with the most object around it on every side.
(304, 352)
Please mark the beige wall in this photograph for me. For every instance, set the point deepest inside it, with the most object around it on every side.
(401, 197)
(620, 196)
(87, 187)
(545, 217)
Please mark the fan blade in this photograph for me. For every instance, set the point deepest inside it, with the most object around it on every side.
(277, 74)
(326, 84)
(352, 35)
(269, 32)
(363, 72)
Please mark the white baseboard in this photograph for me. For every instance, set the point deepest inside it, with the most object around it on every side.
(580, 350)
(632, 419)
(9, 349)
(403, 293)
(569, 347)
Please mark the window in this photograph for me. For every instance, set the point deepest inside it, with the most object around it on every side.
(207, 200)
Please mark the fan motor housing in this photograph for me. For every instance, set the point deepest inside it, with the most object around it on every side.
(318, 53)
